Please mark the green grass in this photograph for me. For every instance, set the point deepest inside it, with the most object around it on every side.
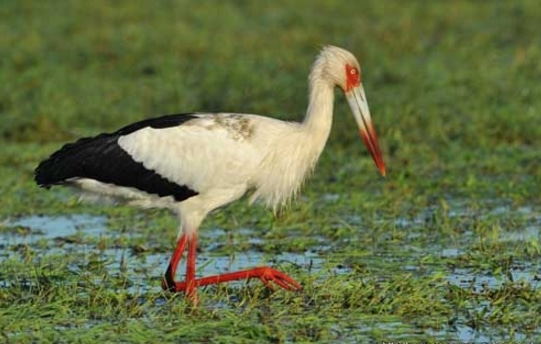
(430, 252)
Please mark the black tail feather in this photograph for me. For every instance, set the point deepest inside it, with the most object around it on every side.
(102, 159)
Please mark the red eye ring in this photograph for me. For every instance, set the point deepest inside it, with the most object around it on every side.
(353, 77)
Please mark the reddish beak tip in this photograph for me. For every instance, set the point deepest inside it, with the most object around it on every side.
(371, 141)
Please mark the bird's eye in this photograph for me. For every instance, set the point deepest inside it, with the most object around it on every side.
(353, 78)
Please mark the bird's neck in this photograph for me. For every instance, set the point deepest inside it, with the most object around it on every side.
(299, 150)
(318, 120)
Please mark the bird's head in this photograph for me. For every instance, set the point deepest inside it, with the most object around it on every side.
(340, 68)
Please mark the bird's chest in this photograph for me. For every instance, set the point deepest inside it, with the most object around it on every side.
(282, 172)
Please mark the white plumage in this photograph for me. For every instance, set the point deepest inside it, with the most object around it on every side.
(193, 165)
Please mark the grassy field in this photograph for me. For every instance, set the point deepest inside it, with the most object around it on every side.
(446, 247)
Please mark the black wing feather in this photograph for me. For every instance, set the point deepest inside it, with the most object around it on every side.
(102, 159)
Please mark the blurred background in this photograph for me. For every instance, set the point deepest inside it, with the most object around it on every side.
(460, 67)
(441, 78)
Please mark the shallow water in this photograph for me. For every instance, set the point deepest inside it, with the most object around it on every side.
(72, 230)
(32, 229)
(37, 227)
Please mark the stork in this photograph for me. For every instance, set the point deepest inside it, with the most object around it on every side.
(195, 163)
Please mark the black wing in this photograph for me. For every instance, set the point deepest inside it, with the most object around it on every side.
(102, 159)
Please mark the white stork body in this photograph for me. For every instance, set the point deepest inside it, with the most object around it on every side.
(247, 154)
(195, 163)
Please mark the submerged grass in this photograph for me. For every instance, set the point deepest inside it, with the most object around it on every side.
(446, 247)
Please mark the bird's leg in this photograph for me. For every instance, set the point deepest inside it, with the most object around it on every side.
(189, 285)
(168, 282)
(265, 274)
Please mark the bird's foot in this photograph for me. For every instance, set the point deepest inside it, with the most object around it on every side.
(269, 276)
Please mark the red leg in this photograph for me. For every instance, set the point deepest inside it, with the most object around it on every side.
(189, 288)
(168, 282)
(265, 274)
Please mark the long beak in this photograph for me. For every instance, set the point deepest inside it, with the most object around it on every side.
(359, 106)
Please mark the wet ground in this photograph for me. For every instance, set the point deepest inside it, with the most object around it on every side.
(80, 235)
(76, 234)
